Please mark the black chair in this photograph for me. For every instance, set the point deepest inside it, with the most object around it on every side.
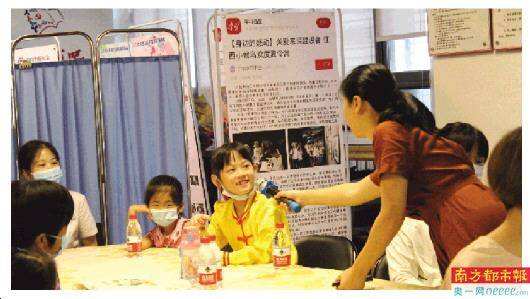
(99, 236)
(329, 252)
(381, 269)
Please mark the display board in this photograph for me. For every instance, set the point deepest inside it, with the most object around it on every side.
(277, 77)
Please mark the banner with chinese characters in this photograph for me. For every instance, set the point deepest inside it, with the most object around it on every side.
(37, 54)
(279, 76)
(156, 44)
(114, 50)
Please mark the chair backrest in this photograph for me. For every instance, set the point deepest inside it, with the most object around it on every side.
(329, 252)
(381, 269)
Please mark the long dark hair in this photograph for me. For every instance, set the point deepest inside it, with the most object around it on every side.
(376, 84)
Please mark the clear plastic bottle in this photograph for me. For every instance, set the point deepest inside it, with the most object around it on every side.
(207, 267)
(134, 236)
(218, 261)
(189, 252)
(281, 248)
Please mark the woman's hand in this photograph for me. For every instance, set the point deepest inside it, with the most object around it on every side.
(294, 195)
(350, 280)
(135, 209)
(199, 220)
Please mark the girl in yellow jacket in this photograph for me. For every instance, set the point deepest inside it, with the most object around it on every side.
(245, 219)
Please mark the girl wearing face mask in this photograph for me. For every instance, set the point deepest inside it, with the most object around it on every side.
(39, 160)
(163, 205)
(244, 218)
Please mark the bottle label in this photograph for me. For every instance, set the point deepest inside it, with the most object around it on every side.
(207, 275)
(188, 267)
(219, 274)
(281, 257)
(134, 244)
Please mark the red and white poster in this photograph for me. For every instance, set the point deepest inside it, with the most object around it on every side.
(156, 44)
(279, 77)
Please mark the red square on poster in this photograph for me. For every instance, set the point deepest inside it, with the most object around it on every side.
(323, 22)
(324, 64)
(233, 26)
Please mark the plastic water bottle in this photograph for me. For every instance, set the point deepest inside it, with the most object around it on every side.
(189, 252)
(218, 261)
(134, 236)
(207, 266)
(281, 248)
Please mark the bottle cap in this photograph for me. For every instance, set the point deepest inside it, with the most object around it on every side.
(279, 225)
(132, 217)
(205, 240)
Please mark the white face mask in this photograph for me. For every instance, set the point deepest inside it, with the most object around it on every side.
(237, 197)
(478, 170)
(65, 240)
(52, 174)
(164, 217)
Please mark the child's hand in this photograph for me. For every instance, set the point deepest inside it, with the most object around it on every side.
(135, 209)
(199, 220)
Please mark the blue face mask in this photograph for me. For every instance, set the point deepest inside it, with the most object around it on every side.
(164, 217)
(52, 174)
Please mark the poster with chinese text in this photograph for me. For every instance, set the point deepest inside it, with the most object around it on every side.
(280, 75)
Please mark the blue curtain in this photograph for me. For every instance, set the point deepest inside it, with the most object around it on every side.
(56, 104)
(144, 133)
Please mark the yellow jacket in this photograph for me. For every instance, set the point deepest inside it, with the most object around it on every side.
(251, 235)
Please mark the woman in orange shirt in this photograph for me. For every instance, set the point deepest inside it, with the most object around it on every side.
(418, 174)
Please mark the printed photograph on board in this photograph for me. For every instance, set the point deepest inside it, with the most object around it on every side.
(268, 149)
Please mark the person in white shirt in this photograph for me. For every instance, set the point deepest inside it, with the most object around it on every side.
(503, 246)
(39, 160)
(410, 256)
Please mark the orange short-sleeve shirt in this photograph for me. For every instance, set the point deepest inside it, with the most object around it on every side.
(442, 187)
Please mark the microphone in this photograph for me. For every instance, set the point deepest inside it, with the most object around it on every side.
(269, 189)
